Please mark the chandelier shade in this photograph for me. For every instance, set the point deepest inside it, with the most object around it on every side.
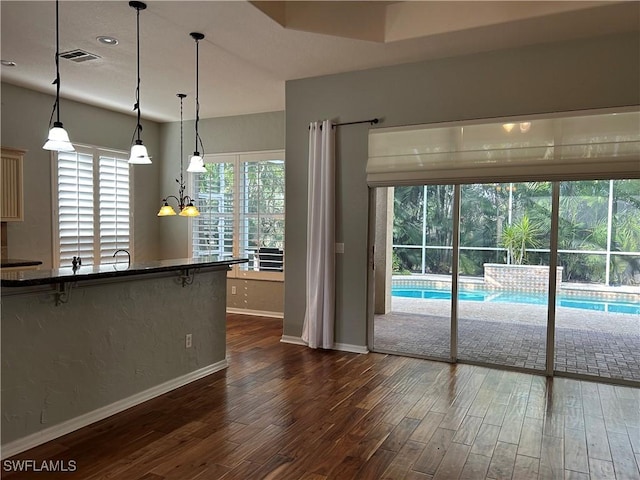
(190, 211)
(166, 210)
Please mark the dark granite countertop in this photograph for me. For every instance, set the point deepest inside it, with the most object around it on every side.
(18, 262)
(29, 278)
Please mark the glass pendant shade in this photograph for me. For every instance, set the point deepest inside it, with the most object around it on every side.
(166, 210)
(196, 164)
(139, 154)
(190, 211)
(58, 139)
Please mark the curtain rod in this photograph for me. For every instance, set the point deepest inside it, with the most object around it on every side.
(371, 121)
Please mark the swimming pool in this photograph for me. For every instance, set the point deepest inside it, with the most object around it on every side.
(584, 302)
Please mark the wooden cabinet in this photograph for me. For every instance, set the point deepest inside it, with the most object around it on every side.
(19, 269)
(11, 196)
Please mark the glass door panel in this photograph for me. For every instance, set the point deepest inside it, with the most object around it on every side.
(598, 305)
(503, 282)
(419, 322)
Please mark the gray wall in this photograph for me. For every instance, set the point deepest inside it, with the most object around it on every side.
(576, 75)
(25, 116)
(244, 133)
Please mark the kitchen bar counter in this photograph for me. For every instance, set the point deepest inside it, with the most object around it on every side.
(80, 345)
(121, 269)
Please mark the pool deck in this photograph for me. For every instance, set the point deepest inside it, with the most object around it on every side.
(587, 342)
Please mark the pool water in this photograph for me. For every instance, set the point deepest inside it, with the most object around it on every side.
(585, 302)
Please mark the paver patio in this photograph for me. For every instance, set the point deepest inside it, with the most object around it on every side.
(592, 343)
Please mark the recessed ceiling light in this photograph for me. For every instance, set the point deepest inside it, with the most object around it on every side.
(8, 63)
(105, 40)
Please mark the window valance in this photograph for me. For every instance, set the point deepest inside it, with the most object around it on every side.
(588, 146)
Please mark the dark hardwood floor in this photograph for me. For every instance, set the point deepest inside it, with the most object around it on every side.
(288, 412)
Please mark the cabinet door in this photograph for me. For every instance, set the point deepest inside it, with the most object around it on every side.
(11, 198)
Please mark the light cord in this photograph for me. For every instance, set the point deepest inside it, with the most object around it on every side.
(138, 126)
(197, 91)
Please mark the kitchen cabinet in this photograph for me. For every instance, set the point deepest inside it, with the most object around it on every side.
(11, 196)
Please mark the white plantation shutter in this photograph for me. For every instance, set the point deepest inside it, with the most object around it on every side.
(113, 181)
(241, 203)
(93, 205)
(213, 228)
(75, 207)
(261, 188)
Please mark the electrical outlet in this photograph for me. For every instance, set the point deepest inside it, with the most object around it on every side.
(188, 340)
(233, 289)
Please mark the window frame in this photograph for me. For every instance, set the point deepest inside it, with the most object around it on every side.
(239, 158)
(95, 153)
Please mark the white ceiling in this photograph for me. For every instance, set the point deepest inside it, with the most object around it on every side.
(251, 50)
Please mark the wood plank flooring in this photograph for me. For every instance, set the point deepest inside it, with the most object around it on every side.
(288, 412)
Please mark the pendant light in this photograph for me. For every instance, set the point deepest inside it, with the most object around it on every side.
(139, 153)
(58, 139)
(196, 163)
(185, 203)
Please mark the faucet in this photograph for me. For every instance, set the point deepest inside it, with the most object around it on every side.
(125, 251)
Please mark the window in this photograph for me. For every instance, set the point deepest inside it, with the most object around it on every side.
(241, 203)
(91, 205)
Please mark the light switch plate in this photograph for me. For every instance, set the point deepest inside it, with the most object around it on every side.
(339, 247)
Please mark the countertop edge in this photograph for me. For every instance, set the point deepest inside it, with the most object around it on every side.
(30, 279)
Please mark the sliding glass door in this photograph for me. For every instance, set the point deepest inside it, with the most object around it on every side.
(419, 322)
(598, 307)
(503, 282)
(506, 241)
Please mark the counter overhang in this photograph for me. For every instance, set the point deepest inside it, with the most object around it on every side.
(29, 278)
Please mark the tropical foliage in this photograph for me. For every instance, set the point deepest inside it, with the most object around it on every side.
(599, 222)
(519, 237)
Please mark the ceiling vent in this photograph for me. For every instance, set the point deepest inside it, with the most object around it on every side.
(79, 56)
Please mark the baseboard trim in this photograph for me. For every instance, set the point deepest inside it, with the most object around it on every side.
(347, 347)
(293, 340)
(257, 313)
(56, 431)
(343, 347)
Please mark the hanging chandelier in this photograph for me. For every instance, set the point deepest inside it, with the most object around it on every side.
(196, 163)
(58, 139)
(139, 153)
(185, 203)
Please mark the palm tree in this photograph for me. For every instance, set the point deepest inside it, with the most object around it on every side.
(520, 236)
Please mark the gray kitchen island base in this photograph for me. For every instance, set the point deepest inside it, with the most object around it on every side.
(116, 342)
